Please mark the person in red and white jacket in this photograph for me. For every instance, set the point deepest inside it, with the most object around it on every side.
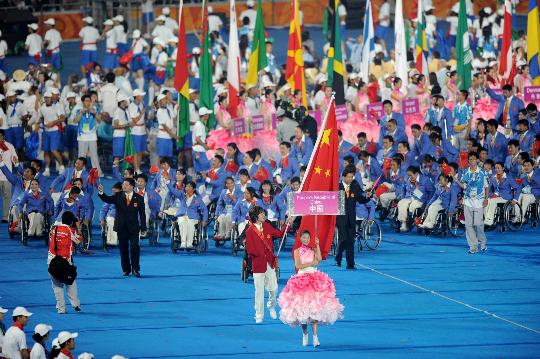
(64, 236)
(259, 247)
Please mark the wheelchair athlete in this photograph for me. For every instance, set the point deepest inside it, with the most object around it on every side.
(531, 186)
(191, 211)
(38, 205)
(152, 200)
(73, 202)
(269, 202)
(224, 209)
(393, 183)
(241, 210)
(445, 198)
(106, 217)
(502, 188)
(415, 193)
(172, 201)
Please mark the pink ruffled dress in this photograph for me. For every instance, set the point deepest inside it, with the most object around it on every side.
(309, 296)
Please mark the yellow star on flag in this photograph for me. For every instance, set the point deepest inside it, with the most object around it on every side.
(327, 173)
(326, 137)
(318, 170)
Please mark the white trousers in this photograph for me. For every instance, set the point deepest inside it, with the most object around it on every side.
(432, 213)
(405, 206)
(5, 191)
(112, 236)
(474, 227)
(36, 221)
(525, 200)
(187, 231)
(224, 221)
(489, 211)
(459, 140)
(264, 280)
(58, 289)
(387, 198)
(90, 148)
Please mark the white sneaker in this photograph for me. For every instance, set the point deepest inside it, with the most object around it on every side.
(47, 172)
(403, 228)
(316, 341)
(273, 313)
(305, 340)
(61, 170)
(258, 320)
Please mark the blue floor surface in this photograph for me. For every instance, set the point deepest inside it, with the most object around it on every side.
(415, 297)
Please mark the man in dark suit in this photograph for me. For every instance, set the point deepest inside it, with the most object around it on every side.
(346, 223)
(129, 222)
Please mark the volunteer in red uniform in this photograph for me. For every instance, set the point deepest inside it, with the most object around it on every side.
(64, 235)
(259, 246)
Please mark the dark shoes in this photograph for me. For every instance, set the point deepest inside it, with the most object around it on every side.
(338, 264)
(351, 268)
(136, 273)
(127, 274)
(77, 309)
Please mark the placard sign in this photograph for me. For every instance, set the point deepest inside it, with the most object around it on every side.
(239, 126)
(321, 203)
(375, 111)
(341, 113)
(410, 106)
(531, 93)
(257, 123)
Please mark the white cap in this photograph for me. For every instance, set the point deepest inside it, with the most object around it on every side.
(65, 336)
(193, 91)
(54, 344)
(488, 10)
(166, 10)
(158, 41)
(118, 18)
(354, 76)
(196, 50)
(138, 92)
(42, 329)
(521, 63)
(268, 83)
(221, 90)
(48, 93)
(173, 40)
(280, 112)
(10, 93)
(136, 34)
(55, 91)
(85, 356)
(108, 22)
(118, 357)
(161, 97)
(33, 26)
(50, 21)
(21, 311)
(204, 111)
(161, 18)
(210, 9)
(455, 8)
(250, 3)
(2, 310)
(71, 94)
(122, 97)
(322, 79)
(88, 19)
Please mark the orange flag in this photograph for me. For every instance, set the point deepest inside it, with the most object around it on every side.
(322, 175)
(295, 55)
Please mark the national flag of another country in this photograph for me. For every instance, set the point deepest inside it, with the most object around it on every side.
(322, 174)
(368, 44)
(257, 59)
(181, 78)
(336, 68)
(206, 92)
(506, 52)
(421, 42)
(129, 148)
(233, 63)
(464, 54)
(402, 67)
(533, 41)
(294, 72)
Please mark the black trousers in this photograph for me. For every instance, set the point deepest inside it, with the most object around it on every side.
(130, 250)
(346, 236)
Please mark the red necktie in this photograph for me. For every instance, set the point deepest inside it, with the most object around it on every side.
(285, 162)
(141, 193)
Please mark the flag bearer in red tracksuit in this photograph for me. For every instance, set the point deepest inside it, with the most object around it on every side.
(259, 247)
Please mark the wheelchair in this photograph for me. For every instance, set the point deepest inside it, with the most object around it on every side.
(237, 240)
(152, 233)
(445, 225)
(411, 217)
(200, 238)
(532, 214)
(247, 269)
(507, 215)
(86, 236)
(335, 243)
(368, 233)
(25, 223)
(11, 218)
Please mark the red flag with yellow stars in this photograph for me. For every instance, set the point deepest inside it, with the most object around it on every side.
(322, 175)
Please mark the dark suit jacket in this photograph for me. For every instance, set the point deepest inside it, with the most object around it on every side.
(125, 219)
(356, 195)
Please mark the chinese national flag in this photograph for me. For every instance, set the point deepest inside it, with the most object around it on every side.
(322, 175)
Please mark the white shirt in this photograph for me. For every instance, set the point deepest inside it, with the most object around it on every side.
(121, 117)
(14, 342)
(384, 11)
(89, 36)
(34, 44)
(121, 36)
(107, 96)
(214, 23)
(453, 20)
(38, 352)
(134, 111)
(50, 114)
(110, 39)
(199, 130)
(139, 45)
(162, 32)
(54, 38)
(164, 117)
(161, 61)
(3, 119)
(14, 112)
(251, 14)
(71, 113)
(147, 6)
(3, 49)
(171, 24)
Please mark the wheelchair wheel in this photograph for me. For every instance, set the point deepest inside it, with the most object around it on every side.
(46, 229)
(392, 216)
(87, 237)
(512, 216)
(244, 274)
(10, 222)
(456, 222)
(372, 234)
(335, 243)
(24, 228)
(104, 237)
(234, 242)
(154, 235)
(175, 237)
